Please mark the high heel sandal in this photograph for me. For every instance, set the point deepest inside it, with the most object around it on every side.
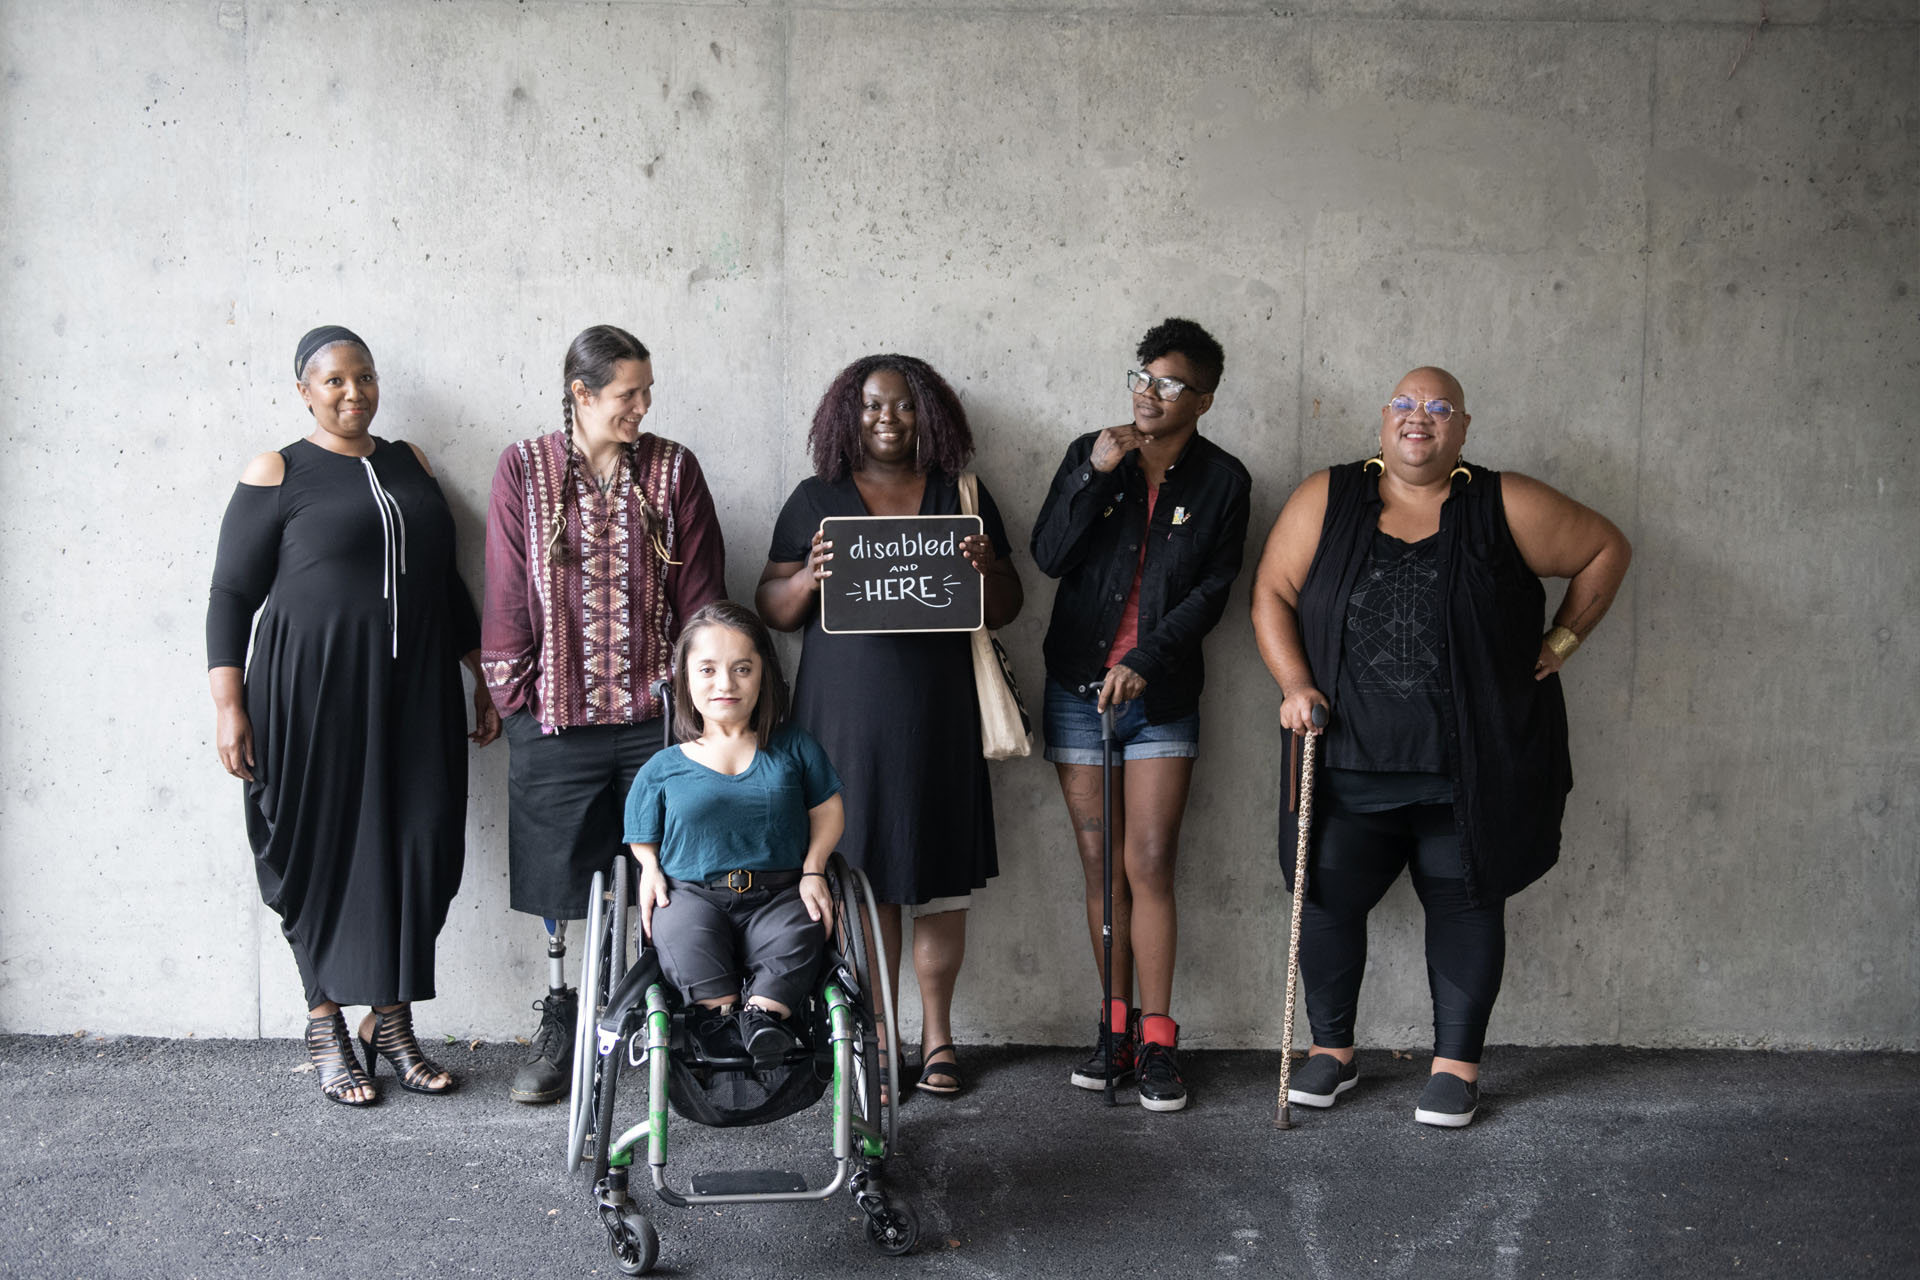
(393, 1040)
(332, 1055)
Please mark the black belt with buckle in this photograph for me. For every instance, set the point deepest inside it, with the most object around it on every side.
(741, 881)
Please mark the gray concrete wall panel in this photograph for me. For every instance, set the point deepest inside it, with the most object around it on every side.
(1685, 298)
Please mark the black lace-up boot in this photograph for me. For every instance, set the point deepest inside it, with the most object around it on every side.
(546, 1076)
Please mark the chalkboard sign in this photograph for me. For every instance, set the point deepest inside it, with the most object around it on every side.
(900, 573)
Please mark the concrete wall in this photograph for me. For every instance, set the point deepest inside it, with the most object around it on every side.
(1686, 298)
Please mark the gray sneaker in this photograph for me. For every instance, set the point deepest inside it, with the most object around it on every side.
(1321, 1079)
(1448, 1101)
(547, 1075)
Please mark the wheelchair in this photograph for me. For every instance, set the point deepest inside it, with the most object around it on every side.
(632, 1018)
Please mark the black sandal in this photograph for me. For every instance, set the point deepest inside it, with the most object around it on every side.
(332, 1055)
(393, 1040)
(931, 1071)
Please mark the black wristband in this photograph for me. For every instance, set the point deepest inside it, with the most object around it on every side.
(805, 874)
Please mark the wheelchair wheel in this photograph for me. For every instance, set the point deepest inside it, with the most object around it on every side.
(606, 1071)
(591, 994)
(855, 914)
(634, 1243)
(894, 1232)
(604, 964)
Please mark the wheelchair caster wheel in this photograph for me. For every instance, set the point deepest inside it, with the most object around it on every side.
(635, 1244)
(893, 1231)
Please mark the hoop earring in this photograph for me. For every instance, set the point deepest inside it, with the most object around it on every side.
(1375, 465)
(1460, 469)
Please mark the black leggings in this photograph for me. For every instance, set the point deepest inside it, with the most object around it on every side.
(1352, 861)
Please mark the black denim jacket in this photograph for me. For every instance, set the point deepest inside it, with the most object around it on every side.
(1088, 536)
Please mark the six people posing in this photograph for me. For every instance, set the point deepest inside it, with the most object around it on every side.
(1401, 593)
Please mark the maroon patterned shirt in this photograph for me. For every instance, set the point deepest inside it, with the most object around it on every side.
(577, 628)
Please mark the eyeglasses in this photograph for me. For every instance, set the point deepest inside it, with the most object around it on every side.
(1438, 409)
(1139, 380)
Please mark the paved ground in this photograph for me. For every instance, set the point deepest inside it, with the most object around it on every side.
(188, 1158)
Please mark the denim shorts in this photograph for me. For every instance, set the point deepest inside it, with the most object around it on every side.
(1073, 730)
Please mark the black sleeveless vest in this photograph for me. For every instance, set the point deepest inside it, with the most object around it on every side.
(1506, 732)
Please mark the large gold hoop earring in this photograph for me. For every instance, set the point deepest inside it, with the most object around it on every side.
(1375, 465)
(1460, 469)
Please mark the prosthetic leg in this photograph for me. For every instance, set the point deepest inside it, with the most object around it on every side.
(545, 1075)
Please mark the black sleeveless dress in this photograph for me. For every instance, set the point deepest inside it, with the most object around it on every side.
(357, 811)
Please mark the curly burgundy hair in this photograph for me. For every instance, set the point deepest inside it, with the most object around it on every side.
(944, 439)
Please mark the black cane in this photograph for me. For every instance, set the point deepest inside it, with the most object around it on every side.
(1106, 900)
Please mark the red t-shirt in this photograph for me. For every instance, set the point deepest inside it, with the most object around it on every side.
(1127, 637)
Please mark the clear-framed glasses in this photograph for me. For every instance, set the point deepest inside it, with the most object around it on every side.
(1139, 381)
(1439, 410)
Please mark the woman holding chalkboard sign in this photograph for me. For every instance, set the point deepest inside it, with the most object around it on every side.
(897, 713)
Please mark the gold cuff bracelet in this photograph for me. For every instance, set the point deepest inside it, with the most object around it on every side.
(1563, 642)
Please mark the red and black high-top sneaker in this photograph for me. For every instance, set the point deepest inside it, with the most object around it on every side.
(1092, 1074)
(1161, 1087)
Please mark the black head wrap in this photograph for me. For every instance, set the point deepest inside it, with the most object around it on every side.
(325, 336)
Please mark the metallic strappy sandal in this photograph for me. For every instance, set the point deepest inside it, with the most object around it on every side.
(393, 1040)
(333, 1060)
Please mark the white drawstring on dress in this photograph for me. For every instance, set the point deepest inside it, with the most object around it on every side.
(393, 532)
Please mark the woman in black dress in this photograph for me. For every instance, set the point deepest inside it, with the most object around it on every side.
(897, 713)
(347, 727)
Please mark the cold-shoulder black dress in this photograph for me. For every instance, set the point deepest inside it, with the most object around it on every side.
(357, 810)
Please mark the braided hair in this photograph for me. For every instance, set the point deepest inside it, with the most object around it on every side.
(592, 359)
(942, 436)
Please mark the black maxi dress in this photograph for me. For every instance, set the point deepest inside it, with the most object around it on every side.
(900, 721)
(357, 810)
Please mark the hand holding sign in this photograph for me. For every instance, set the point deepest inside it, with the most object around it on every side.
(978, 549)
(818, 557)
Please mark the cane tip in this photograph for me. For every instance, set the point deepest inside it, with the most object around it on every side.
(1281, 1118)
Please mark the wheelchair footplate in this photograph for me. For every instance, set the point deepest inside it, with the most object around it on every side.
(747, 1182)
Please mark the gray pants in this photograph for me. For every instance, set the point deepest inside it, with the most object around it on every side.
(715, 942)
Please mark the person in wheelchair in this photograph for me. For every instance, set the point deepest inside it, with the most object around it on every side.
(733, 828)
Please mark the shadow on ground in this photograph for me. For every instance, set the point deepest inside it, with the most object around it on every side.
(220, 1158)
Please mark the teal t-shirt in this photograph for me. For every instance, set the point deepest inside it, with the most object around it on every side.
(707, 823)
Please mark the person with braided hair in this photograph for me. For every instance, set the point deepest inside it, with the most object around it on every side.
(601, 541)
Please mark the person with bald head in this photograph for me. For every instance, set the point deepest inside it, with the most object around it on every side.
(1403, 594)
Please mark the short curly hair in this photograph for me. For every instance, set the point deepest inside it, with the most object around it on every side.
(1188, 339)
(943, 438)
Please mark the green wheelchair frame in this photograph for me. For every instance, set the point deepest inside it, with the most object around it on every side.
(864, 1126)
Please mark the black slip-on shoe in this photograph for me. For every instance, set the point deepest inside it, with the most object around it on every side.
(1448, 1101)
(1321, 1079)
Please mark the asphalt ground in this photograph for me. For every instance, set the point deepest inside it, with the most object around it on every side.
(140, 1157)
